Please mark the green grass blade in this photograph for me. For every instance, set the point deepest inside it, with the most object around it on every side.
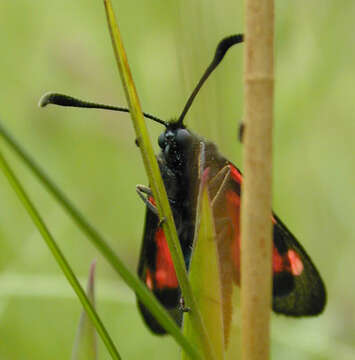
(154, 177)
(101, 244)
(146, 149)
(56, 252)
(205, 277)
(85, 345)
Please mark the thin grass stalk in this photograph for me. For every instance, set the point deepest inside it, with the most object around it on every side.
(256, 225)
(85, 344)
(155, 180)
(59, 257)
(103, 247)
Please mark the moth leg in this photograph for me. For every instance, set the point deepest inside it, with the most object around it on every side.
(224, 176)
(144, 191)
(182, 306)
(161, 221)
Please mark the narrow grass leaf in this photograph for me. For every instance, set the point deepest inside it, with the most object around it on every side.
(155, 180)
(59, 257)
(85, 346)
(205, 277)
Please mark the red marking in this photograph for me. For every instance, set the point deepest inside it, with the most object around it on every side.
(278, 264)
(236, 175)
(233, 207)
(233, 202)
(295, 263)
(165, 275)
(149, 280)
(289, 262)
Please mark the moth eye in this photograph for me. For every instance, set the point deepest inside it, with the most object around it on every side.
(161, 140)
(183, 136)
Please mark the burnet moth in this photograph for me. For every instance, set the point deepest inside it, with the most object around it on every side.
(298, 289)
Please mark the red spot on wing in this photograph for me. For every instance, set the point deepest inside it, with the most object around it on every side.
(277, 261)
(289, 262)
(149, 280)
(296, 264)
(165, 275)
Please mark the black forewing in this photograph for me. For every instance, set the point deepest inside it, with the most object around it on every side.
(308, 294)
(168, 296)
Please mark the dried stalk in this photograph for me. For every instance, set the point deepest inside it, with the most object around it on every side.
(256, 222)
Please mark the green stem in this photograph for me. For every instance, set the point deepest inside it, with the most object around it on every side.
(53, 247)
(155, 180)
(102, 245)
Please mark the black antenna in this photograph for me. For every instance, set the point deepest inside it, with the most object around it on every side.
(65, 100)
(221, 50)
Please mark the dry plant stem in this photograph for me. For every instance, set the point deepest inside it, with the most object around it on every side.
(256, 222)
(155, 180)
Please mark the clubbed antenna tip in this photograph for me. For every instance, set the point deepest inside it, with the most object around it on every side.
(66, 100)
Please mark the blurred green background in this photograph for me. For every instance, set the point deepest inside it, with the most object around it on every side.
(64, 46)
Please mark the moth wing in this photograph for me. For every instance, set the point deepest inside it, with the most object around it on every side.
(298, 289)
(157, 271)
